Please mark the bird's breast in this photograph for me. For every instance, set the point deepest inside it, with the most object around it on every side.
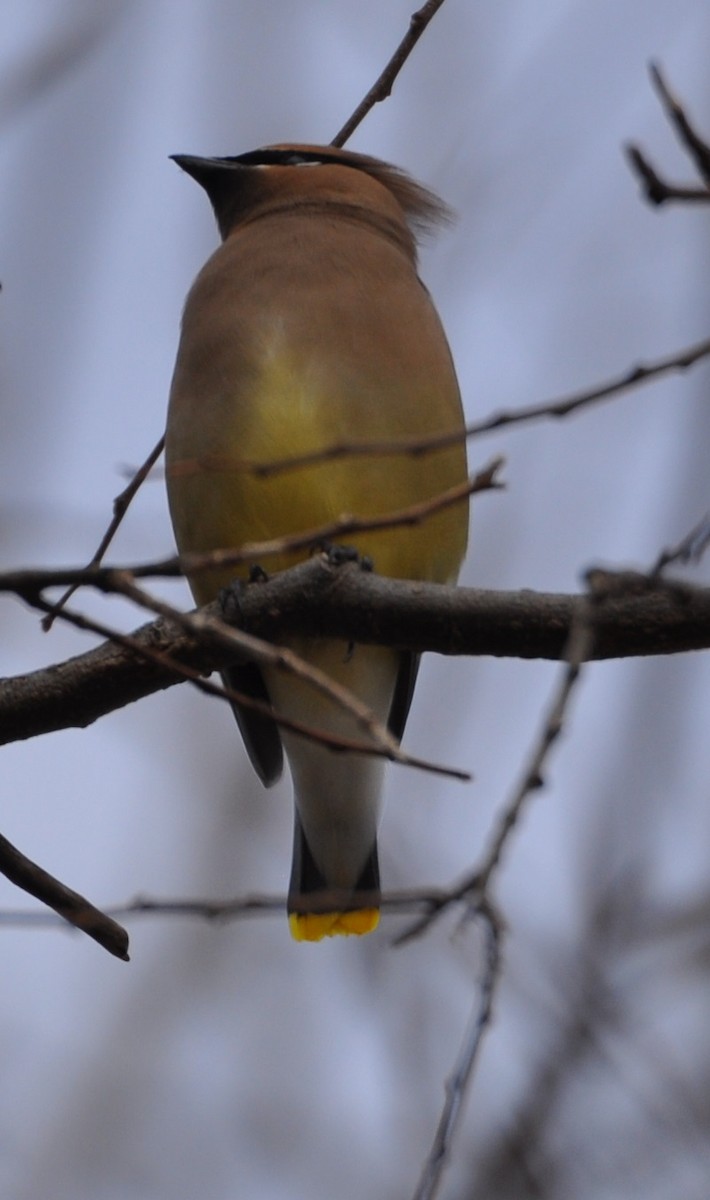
(280, 378)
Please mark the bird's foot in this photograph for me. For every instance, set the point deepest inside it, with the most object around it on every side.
(230, 597)
(337, 556)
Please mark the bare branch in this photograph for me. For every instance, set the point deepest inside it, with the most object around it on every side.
(696, 146)
(70, 906)
(689, 550)
(382, 88)
(577, 652)
(318, 598)
(230, 909)
(657, 189)
(475, 884)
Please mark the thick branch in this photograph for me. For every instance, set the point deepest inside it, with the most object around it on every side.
(317, 598)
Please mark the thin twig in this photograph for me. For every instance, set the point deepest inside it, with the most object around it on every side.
(475, 888)
(458, 1083)
(120, 508)
(70, 906)
(689, 550)
(382, 88)
(657, 189)
(231, 909)
(579, 648)
(696, 146)
(475, 884)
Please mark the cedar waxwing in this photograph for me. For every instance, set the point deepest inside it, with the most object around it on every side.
(309, 326)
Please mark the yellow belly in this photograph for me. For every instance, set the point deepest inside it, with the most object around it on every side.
(217, 502)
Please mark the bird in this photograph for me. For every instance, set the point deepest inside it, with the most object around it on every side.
(309, 327)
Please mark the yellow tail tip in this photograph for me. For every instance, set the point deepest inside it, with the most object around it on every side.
(313, 927)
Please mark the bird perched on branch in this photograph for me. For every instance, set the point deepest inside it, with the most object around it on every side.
(309, 327)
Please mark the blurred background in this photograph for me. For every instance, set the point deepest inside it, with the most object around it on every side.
(225, 1060)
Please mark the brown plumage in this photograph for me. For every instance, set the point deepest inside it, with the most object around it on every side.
(309, 326)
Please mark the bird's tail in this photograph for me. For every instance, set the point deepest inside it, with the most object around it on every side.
(318, 909)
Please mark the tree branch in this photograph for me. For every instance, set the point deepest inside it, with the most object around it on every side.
(72, 907)
(382, 87)
(317, 598)
(697, 147)
(657, 189)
